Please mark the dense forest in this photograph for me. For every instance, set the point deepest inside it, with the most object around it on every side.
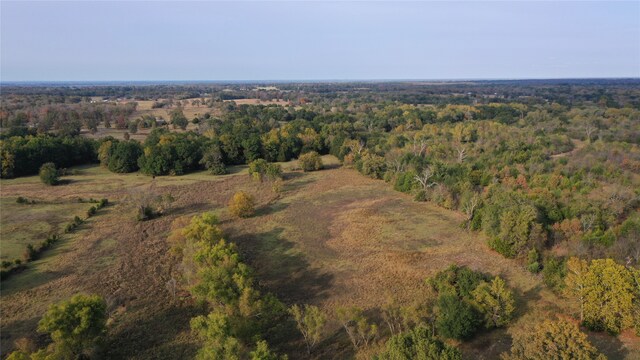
(548, 171)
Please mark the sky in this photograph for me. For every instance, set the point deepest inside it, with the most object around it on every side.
(180, 40)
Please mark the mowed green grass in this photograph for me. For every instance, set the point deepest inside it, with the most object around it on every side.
(23, 224)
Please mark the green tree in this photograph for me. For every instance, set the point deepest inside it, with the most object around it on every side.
(262, 352)
(310, 321)
(221, 278)
(104, 152)
(124, 156)
(76, 325)
(178, 120)
(456, 318)
(133, 127)
(213, 161)
(418, 344)
(558, 339)
(49, 174)
(495, 301)
(215, 331)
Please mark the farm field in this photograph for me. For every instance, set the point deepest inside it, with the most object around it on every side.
(329, 238)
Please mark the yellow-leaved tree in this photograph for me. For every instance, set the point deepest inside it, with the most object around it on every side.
(606, 292)
(558, 339)
(241, 205)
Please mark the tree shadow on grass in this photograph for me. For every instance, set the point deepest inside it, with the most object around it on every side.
(297, 184)
(271, 209)
(153, 337)
(607, 344)
(62, 182)
(331, 166)
(190, 209)
(523, 299)
(281, 269)
(28, 278)
(292, 175)
(18, 329)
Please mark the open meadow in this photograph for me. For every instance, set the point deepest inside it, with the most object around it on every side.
(328, 238)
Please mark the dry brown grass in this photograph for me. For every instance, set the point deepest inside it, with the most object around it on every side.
(330, 238)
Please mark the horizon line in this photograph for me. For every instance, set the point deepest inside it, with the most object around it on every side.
(293, 81)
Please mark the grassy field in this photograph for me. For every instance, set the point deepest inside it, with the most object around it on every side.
(330, 238)
(24, 224)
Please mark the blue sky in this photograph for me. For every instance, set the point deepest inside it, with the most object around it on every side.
(83, 41)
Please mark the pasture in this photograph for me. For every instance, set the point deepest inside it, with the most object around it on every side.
(329, 238)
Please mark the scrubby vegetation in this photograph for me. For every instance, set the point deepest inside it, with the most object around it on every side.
(544, 175)
(49, 174)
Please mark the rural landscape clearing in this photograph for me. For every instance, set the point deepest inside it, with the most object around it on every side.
(321, 180)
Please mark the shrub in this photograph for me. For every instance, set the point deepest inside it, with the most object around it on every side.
(103, 203)
(274, 172)
(405, 181)
(533, 258)
(258, 168)
(310, 161)
(242, 205)
(149, 203)
(21, 200)
(145, 213)
(553, 272)
(92, 211)
(69, 228)
(458, 280)
(421, 195)
(49, 174)
(373, 166)
(30, 253)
